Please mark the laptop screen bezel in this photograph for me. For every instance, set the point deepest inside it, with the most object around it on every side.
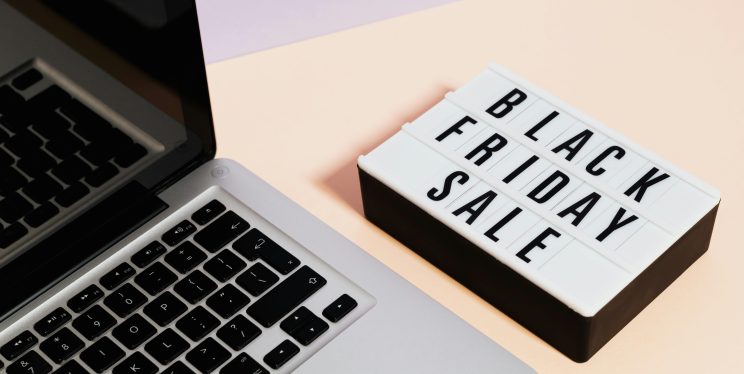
(73, 244)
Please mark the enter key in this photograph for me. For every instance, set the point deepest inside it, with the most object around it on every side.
(255, 244)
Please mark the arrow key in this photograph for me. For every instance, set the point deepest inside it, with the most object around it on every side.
(339, 308)
(310, 331)
(136, 364)
(299, 318)
(281, 354)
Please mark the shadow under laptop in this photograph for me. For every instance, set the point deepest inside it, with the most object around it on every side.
(343, 181)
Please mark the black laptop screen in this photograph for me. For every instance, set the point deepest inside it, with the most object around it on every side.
(102, 105)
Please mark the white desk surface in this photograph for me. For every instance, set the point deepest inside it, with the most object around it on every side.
(667, 74)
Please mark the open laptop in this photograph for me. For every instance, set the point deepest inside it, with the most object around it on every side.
(126, 248)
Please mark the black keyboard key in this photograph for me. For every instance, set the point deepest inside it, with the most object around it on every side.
(18, 345)
(243, 364)
(10, 101)
(227, 301)
(72, 194)
(197, 323)
(61, 346)
(23, 142)
(94, 322)
(167, 346)
(281, 354)
(256, 244)
(18, 120)
(130, 154)
(297, 319)
(117, 140)
(102, 174)
(13, 207)
(134, 331)
(339, 308)
(249, 244)
(137, 363)
(36, 163)
(51, 125)
(97, 153)
(178, 233)
(72, 170)
(26, 79)
(117, 276)
(30, 363)
(238, 333)
(102, 355)
(165, 309)
(225, 265)
(10, 179)
(52, 321)
(50, 98)
(208, 356)
(125, 300)
(185, 257)
(97, 134)
(195, 287)
(71, 367)
(279, 259)
(85, 298)
(178, 368)
(220, 232)
(286, 296)
(41, 214)
(147, 255)
(257, 279)
(11, 234)
(310, 331)
(5, 158)
(80, 113)
(42, 189)
(64, 146)
(208, 212)
(155, 278)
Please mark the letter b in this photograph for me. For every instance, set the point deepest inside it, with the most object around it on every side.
(502, 107)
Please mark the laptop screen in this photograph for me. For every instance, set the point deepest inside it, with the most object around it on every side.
(102, 104)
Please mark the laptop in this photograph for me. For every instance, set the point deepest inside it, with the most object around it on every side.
(125, 247)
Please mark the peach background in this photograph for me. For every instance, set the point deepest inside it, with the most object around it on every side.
(668, 74)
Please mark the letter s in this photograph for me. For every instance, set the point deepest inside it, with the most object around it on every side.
(461, 175)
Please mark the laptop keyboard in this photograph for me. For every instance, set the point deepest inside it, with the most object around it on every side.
(214, 293)
(54, 150)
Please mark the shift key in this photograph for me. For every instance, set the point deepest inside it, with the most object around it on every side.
(285, 297)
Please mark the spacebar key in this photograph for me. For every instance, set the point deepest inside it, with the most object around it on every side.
(283, 298)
